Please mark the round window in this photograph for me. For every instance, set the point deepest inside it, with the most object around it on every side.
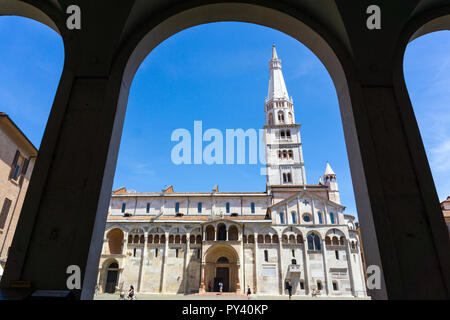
(306, 218)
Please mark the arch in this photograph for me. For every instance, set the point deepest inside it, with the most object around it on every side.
(223, 260)
(112, 274)
(220, 250)
(328, 241)
(210, 233)
(314, 242)
(198, 239)
(251, 239)
(177, 238)
(221, 232)
(275, 239)
(233, 233)
(192, 238)
(115, 241)
(267, 238)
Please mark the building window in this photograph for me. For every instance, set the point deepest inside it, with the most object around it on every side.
(313, 242)
(124, 206)
(331, 217)
(282, 134)
(290, 154)
(287, 177)
(177, 207)
(19, 166)
(4, 213)
(176, 253)
(134, 252)
(294, 221)
(319, 285)
(293, 252)
(336, 253)
(252, 207)
(148, 207)
(320, 217)
(306, 218)
(266, 256)
(294, 261)
(156, 253)
(199, 207)
(228, 207)
(288, 134)
(335, 286)
(302, 285)
(281, 218)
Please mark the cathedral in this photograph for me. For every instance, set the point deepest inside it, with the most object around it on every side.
(188, 242)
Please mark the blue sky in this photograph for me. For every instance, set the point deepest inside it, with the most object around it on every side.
(218, 73)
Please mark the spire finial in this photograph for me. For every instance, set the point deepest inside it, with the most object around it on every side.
(274, 52)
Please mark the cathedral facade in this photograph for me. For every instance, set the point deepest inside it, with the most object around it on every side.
(189, 242)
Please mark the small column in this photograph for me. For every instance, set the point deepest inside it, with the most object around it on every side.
(163, 276)
(325, 267)
(226, 234)
(306, 265)
(202, 280)
(215, 233)
(255, 262)
(187, 258)
(325, 213)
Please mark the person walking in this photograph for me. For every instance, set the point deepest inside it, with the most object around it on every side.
(220, 288)
(289, 288)
(131, 293)
(249, 292)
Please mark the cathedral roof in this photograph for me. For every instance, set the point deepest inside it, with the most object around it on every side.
(329, 171)
(277, 86)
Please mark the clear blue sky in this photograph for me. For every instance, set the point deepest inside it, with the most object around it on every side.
(218, 73)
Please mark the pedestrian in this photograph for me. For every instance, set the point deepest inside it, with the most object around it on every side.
(249, 292)
(220, 287)
(209, 286)
(289, 287)
(131, 293)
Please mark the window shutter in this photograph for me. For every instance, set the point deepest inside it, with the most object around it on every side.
(14, 163)
(25, 166)
(4, 212)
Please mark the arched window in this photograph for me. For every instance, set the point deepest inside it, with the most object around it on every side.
(289, 177)
(293, 215)
(306, 218)
(192, 239)
(331, 217)
(281, 116)
(198, 239)
(227, 207)
(177, 238)
(281, 218)
(177, 207)
(319, 285)
(252, 207)
(221, 233)
(291, 238)
(115, 240)
(251, 239)
(285, 154)
(210, 233)
(171, 238)
(282, 134)
(320, 217)
(279, 154)
(232, 233)
(290, 154)
(222, 260)
(313, 242)
(267, 239)
(260, 238)
(299, 239)
(288, 134)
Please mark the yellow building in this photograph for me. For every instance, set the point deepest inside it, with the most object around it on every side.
(17, 157)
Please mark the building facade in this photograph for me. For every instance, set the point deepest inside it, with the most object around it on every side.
(175, 242)
(445, 205)
(17, 157)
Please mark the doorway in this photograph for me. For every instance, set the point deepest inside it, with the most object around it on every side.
(111, 278)
(222, 275)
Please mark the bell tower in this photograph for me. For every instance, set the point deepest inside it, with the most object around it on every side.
(284, 155)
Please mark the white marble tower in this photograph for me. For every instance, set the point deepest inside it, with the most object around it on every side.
(284, 155)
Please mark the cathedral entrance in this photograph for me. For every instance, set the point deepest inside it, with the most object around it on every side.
(222, 266)
(111, 278)
(222, 275)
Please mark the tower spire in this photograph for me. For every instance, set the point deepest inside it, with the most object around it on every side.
(277, 86)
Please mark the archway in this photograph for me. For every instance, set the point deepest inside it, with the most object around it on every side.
(222, 267)
(112, 276)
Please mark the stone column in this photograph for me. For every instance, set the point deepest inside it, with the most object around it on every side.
(142, 266)
(350, 268)
(244, 286)
(325, 213)
(202, 279)
(306, 266)
(125, 244)
(187, 258)
(280, 266)
(163, 275)
(313, 213)
(226, 233)
(325, 268)
(255, 262)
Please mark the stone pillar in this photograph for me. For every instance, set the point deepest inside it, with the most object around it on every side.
(187, 258)
(313, 213)
(325, 268)
(280, 267)
(244, 285)
(325, 214)
(163, 274)
(226, 233)
(142, 266)
(306, 266)
(255, 263)
(125, 244)
(351, 276)
(202, 279)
